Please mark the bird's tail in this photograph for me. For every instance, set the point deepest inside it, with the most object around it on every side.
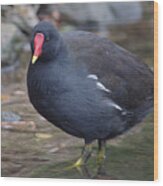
(134, 117)
(144, 109)
(141, 112)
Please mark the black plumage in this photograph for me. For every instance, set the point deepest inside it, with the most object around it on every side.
(87, 85)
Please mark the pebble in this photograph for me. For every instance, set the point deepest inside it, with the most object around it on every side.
(24, 126)
(10, 117)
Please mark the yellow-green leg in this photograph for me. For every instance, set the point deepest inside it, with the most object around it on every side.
(101, 156)
(86, 153)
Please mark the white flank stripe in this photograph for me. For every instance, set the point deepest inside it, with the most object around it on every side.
(92, 76)
(102, 87)
(115, 105)
(99, 85)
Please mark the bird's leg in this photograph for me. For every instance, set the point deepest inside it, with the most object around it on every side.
(101, 156)
(86, 153)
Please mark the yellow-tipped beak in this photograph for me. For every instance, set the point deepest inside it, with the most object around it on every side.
(34, 59)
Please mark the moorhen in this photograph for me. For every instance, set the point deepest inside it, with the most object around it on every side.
(87, 86)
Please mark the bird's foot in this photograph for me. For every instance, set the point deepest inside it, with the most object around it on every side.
(76, 165)
(79, 163)
(80, 166)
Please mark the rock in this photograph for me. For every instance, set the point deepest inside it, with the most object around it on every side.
(12, 121)
(22, 126)
(9, 117)
(49, 13)
(5, 98)
(12, 41)
(53, 150)
(17, 23)
(23, 16)
(43, 135)
(19, 93)
(101, 15)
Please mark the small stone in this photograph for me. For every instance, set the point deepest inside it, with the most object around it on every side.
(12, 42)
(53, 150)
(5, 98)
(19, 92)
(25, 126)
(43, 135)
(9, 117)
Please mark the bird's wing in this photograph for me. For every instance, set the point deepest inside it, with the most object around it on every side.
(108, 101)
(119, 70)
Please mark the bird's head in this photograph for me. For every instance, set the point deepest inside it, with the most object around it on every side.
(45, 42)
